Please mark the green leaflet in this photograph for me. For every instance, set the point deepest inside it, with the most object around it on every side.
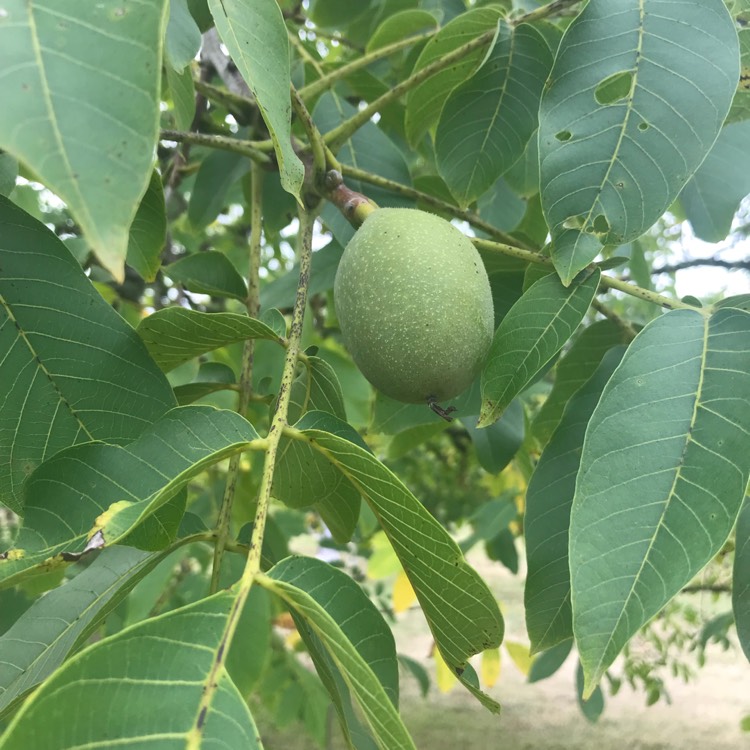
(97, 155)
(55, 331)
(148, 232)
(664, 468)
(628, 117)
(529, 336)
(741, 579)
(256, 38)
(175, 335)
(107, 695)
(209, 272)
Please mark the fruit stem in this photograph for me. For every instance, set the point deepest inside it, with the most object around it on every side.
(355, 206)
(246, 372)
(317, 145)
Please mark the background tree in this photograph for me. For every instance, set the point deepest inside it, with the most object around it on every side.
(178, 404)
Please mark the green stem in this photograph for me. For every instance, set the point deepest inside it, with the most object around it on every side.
(253, 564)
(340, 134)
(246, 371)
(328, 80)
(607, 281)
(628, 329)
(396, 187)
(317, 145)
(235, 103)
(225, 143)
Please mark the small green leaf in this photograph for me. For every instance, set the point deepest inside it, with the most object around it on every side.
(182, 93)
(316, 389)
(664, 469)
(713, 195)
(627, 119)
(593, 706)
(741, 579)
(399, 26)
(529, 336)
(573, 370)
(497, 444)
(549, 498)
(175, 335)
(219, 171)
(572, 251)
(354, 635)
(487, 122)
(148, 232)
(425, 102)
(106, 695)
(209, 272)
(85, 121)
(256, 38)
(548, 662)
(55, 331)
(183, 38)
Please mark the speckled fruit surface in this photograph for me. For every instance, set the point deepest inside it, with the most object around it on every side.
(414, 304)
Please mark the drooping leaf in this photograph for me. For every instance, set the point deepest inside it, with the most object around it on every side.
(713, 195)
(256, 38)
(106, 490)
(210, 272)
(529, 336)
(664, 468)
(148, 232)
(344, 625)
(175, 335)
(40, 640)
(316, 388)
(106, 696)
(572, 250)
(431, 559)
(549, 498)
(627, 118)
(741, 579)
(573, 370)
(211, 377)
(425, 101)
(489, 520)
(183, 37)
(182, 93)
(399, 26)
(219, 172)
(487, 122)
(418, 672)
(592, 706)
(81, 107)
(497, 444)
(55, 332)
(548, 662)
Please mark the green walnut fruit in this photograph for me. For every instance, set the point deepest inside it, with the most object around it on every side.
(414, 304)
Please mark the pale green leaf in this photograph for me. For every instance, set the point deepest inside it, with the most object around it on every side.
(256, 38)
(487, 122)
(497, 444)
(713, 195)
(425, 102)
(183, 38)
(148, 232)
(56, 333)
(460, 610)
(209, 272)
(8, 173)
(316, 388)
(663, 472)
(175, 335)
(549, 498)
(312, 591)
(81, 107)
(572, 250)
(741, 579)
(141, 688)
(109, 490)
(182, 93)
(529, 336)
(573, 370)
(635, 100)
(547, 663)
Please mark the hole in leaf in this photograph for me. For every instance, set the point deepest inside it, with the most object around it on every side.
(601, 225)
(643, 126)
(614, 87)
(564, 135)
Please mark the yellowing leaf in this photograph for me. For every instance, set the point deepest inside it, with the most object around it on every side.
(403, 594)
(444, 677)
(519, 652)
(490, 671)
